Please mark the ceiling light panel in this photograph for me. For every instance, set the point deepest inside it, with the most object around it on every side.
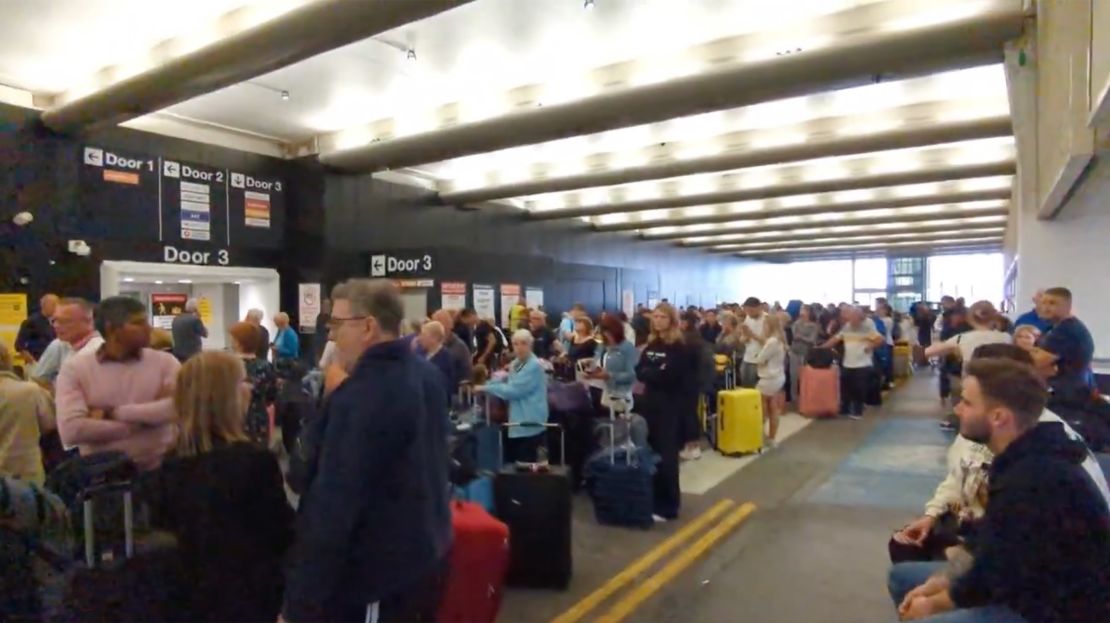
(881, 245)
(824, 169)
(885, 231)
(862, 238)
(92, 48)
(956, 210)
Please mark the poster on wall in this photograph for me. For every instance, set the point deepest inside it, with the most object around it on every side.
(308, 306)
(628, 302)
(13, 311)
(164, 307)
(204, 310)
(510, 294)
(533, 298)
(483, 302)
(256, 206)
(453, 295)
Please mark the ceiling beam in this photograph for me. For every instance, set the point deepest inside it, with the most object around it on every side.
(922, 135)
(819, 209)
(864, 221)
(304, 32)
(856, 61)
(877, 238)
(962, 239)
(857, 182)
(716, 246)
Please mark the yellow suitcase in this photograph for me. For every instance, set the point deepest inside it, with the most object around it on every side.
(739, 422)
(901, 363)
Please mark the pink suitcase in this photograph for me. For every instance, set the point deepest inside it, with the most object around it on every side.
(820, 392)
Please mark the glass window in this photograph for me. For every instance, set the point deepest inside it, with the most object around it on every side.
(871, 273)
(974, 277)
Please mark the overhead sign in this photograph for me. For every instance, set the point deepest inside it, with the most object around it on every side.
(173, 255)
(126, 195)
(409, 264)
(533, 297)
(308, 306)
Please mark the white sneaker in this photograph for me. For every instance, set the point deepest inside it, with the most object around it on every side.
(689, 454)
(695, 454)
(659, 519)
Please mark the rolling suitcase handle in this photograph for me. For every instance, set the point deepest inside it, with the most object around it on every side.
(87, 496)
(544, 425)
(612, 426)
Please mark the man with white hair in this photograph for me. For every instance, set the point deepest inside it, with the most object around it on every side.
(76, 333)
(374, 526)
(431, 342)
(255, 316)
(286, 346)
(460, 353)
(187, 329)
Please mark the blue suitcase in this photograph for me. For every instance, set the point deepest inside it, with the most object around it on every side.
(620, 482)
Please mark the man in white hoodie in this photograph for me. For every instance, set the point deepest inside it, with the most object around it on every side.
(963, 492)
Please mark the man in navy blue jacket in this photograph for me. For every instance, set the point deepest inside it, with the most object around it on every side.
(1040, 552)
(374, 527)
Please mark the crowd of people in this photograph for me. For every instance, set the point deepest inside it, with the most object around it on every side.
(372, 532)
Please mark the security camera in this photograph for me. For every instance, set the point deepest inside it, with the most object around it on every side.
(23, 219)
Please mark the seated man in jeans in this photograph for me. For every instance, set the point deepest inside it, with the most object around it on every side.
(1041, 548)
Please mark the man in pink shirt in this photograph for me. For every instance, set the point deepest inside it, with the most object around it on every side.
(119, 397)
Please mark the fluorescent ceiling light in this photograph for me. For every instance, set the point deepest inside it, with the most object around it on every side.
(158, 282)
(929, 235)
(129, 279)
(184, 281)
(912, 243)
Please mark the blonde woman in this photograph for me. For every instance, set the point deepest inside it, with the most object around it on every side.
(667, 368)
(771, 361)
(223, 498)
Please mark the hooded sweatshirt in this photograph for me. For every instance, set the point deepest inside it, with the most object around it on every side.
(1042, 547)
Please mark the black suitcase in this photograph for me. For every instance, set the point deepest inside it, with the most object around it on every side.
(140, 581)
(820, 358)
(536, 505)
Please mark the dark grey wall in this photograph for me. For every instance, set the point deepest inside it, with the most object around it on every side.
(571, 262)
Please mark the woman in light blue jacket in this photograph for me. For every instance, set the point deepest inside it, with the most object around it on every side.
(525, 389)
(616, 365)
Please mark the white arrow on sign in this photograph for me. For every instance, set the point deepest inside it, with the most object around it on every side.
(377, 266)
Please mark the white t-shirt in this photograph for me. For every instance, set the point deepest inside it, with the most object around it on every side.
(969, 341)
(751, 351)
(771, 359)
(857, 344)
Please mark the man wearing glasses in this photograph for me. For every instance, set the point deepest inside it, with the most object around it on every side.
(374, 527)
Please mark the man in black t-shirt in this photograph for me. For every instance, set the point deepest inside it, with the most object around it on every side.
(543, 338)
(1068, 344)
(465, 325)
(489, 344)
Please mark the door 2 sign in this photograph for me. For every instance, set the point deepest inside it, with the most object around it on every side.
(173, 255)
(385, 265)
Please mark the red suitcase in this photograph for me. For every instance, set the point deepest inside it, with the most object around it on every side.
(479, 561)
(819, 392)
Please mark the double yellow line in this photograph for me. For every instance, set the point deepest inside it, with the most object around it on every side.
(733, 517)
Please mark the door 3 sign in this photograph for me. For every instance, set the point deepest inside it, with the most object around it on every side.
(383, 265)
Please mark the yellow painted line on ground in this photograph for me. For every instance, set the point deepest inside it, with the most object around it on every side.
(645, 562)
(628, 604)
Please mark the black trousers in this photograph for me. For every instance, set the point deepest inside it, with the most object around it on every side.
(663, 412)
(416, 603)
(853, 390)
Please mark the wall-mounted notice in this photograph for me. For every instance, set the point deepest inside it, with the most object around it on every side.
(483, 302)
(308, 306)
(164, 307)
(510, 294)
(13, 311)
(533, 297)
(628, 302)
(453, 295)
(204, 310)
